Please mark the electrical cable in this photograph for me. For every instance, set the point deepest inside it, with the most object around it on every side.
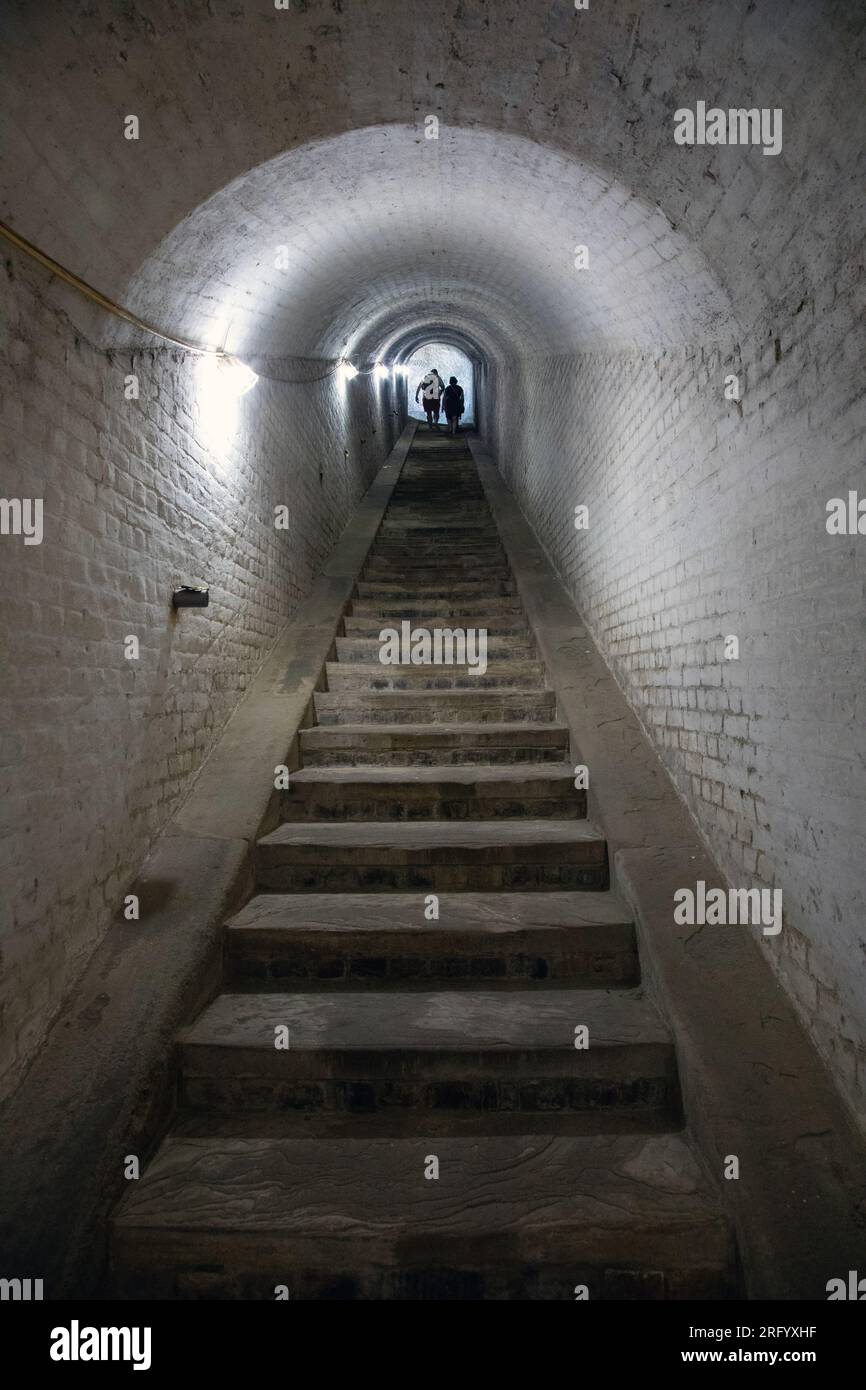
(98, 297)
(110, 305)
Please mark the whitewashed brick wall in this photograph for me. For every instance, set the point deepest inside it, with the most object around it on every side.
(96, 751)
(708, 519)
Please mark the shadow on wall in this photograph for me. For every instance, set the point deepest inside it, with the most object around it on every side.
(448, 361)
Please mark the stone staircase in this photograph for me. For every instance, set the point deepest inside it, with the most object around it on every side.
(433, 936)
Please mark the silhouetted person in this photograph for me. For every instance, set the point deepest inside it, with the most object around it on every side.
(453, 404)
(430, 390)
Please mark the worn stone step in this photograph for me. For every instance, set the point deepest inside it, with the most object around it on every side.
(459, 520)
(344, 940)
(452, 498)
(476, 1052)
(433, 556)
(421, 497)
(446, 856)
(414, 575)
(467, 563)
(432, 793)
(433, 745)
(445, 587)
(419, 475)
(428, 553)
(411, 577)
(630, 1217)
(365, 651)
(458, 541)
(431, 528)
(498, 631)
(431, 552)
(492, 611)
(355, 676)
(434, 706)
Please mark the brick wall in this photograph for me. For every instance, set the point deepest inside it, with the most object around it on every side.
(97, 751)
(707, 519)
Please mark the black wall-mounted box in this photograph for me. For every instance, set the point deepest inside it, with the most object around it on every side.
(189, 597)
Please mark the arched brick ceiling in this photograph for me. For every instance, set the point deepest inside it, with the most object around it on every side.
(399, 347)
(378, 221)
(306, 126)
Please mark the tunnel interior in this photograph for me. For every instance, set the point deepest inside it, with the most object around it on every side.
(669, 338)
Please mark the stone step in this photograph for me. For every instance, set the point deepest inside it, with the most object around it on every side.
(419, 506)
(432, 553)
(466, 562)
(365, 651)
(630, 1217)
(460, 521)
(408, 511)
(462, 553)
(354, 676)
(474, 589)
(433, 745)
(434, 706)
(379, 939)
(437, 856)
(441, 525)
(426, 492)
(478, 1052)
(462, 548)
(432, 793)
(498, 630)
(418, 475)
(493, 610)
(415, 576)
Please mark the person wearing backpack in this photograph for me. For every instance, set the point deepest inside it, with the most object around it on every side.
(430, 389)
(453, 403)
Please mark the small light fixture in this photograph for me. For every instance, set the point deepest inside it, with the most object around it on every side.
(191, 596)
(348, 370)
(235, 376)
(380, 371)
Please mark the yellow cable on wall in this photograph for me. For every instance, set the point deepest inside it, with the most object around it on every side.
(98, 297)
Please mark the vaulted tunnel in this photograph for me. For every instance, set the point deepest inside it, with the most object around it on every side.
(318, 186)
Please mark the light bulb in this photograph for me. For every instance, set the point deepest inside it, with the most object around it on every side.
(235, 376)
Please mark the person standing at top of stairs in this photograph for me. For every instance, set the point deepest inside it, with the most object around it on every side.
(453, 404)
(431, 388)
